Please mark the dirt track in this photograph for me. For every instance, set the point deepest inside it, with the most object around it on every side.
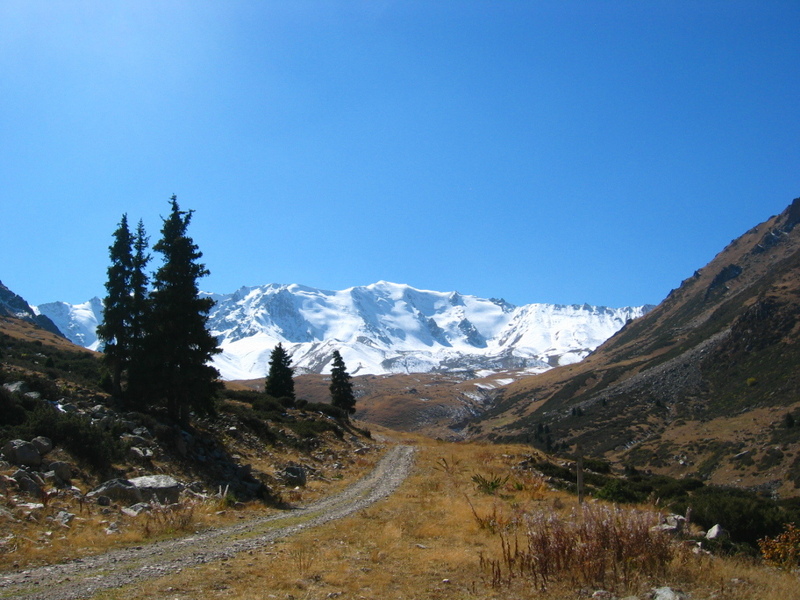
(83, 577)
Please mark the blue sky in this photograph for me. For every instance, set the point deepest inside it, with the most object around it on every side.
(560, 151)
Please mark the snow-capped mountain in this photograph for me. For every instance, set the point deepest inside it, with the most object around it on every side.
(383, 328)
(78, 322)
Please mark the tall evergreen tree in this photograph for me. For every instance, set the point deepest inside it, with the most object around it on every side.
(115, 330)
(280, 382)
(139, 297)
(178, 345)
(341, 387)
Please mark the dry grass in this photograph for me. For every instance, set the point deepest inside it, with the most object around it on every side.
(440, 537)
(31, 534)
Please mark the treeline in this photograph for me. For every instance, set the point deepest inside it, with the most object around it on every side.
(157, 347)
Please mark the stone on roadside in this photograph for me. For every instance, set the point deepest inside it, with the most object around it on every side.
(164, 488)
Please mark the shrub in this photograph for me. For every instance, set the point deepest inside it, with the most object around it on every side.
(745, 515)
(619, 490)
(76, 433)
(599, 547)
(489, 485)
(783, 550)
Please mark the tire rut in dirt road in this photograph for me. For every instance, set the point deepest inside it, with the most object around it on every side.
(82, 578)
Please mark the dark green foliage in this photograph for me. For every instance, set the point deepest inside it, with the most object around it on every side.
(619, 490)
(745, 515)
(326, 409)
(79, 366)
(114, 331)
(25, 417)
(255, 420)
(174, 369)
(11, 410)
(87, 442)
(125, 305)
(341, 387)
(280, 382)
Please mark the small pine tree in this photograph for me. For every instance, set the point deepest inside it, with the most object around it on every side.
(341, 387)
(280, 382)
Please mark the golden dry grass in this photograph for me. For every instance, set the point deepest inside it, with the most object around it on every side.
(31, 537)
(435, 538)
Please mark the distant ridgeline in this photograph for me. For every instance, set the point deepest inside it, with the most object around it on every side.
(383, 328)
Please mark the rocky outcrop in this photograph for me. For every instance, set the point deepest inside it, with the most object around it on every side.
(14, 305)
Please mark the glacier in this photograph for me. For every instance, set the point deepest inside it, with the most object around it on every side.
(382, 328)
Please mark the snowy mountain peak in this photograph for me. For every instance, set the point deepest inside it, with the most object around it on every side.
(383, 328)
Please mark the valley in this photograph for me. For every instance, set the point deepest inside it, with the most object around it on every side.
(689, 410)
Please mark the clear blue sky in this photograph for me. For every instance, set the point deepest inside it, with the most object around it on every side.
(555, 151)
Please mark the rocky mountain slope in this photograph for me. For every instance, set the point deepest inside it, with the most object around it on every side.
(383, 328)
(705, 385)
(14, 305)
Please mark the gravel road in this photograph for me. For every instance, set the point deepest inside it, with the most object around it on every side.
(81, 578)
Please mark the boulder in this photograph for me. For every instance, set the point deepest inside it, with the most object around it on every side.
(63, 518)
(716, 533)
(28, 483)
(22, 453)
(16, 387)
(121, 490)
(294, 475)
(163, 488)
(43, 444)
(62, 470)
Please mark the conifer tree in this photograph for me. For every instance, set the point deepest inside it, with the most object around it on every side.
(139, 297)
(341, 387)
(178, 346)
(115, 330)
(280, 382)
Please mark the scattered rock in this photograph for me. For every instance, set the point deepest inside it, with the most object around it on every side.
(63, 518)
(140, 454)
(137, 509)
(666, 593)
(7, 515)
(120, 490)
(673, 524)
(28, 482)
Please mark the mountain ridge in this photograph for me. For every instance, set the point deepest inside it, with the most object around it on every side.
(382, 328)
(701, 386)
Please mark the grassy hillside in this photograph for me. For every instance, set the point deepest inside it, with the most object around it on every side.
(703, 386)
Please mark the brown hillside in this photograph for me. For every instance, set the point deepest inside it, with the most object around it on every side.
(700, 386)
